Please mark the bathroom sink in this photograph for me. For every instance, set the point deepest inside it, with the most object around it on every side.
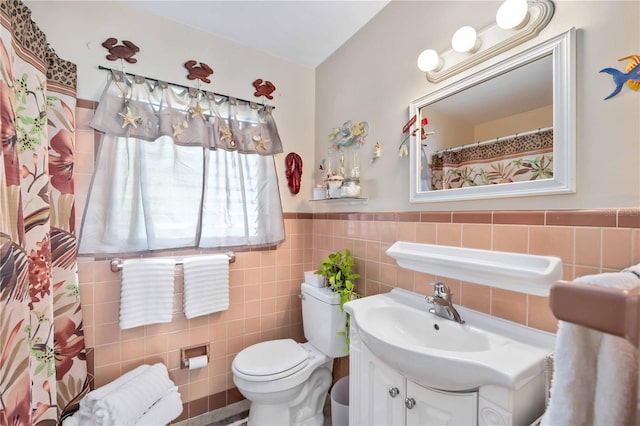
(403, 326)
(443, 354)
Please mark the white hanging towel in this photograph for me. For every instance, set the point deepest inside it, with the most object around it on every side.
(206, 284)
(595, 374)
(146, 292)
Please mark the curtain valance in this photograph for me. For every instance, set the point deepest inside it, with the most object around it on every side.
(147, 110)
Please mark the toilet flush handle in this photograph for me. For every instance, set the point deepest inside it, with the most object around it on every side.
(301, 296)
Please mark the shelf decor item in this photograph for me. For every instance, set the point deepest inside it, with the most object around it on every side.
(344, 159)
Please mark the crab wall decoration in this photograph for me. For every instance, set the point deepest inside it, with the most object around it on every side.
(200, 72)
(125, 51)
(265, 88)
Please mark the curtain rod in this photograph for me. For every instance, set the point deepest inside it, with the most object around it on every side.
(100, 67)
(515, 135)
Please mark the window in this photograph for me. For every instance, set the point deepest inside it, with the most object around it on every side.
(209, 183)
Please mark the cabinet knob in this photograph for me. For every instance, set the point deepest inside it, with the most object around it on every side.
(409, 403)
(394, 392)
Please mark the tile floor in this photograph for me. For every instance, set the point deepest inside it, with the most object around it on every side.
(235, 418)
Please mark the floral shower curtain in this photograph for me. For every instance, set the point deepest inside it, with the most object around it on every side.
(514, 159)
(43, 372)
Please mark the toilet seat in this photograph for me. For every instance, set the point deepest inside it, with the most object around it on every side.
(271, 360)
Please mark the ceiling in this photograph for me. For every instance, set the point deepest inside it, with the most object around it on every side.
(303, 31)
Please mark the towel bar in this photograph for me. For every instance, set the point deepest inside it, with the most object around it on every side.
(116, 263)
(610, 310)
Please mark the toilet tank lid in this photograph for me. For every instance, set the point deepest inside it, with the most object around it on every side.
(324, 294)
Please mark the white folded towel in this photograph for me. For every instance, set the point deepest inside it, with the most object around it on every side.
(595, 374)
(168, 408)
(127, 404)
(144, 395)
(146, 293)
(206, 284)
(89, 401)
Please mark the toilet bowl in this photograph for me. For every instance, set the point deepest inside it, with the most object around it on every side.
(285, 381)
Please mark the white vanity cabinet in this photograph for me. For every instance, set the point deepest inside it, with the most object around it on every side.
(380, 395)
(385, 397)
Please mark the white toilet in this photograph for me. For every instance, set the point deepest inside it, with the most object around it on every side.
(286, 381)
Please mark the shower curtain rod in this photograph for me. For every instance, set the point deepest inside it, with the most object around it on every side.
(515, 135)
(100, 67)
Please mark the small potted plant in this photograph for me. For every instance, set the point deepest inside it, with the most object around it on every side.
(337, 270)
(340, 279)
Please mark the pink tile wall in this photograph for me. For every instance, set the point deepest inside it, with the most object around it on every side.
(265, 284)
(588, 242)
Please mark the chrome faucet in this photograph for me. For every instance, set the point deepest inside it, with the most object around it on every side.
(441, 302)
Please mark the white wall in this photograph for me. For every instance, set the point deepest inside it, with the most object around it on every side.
(373, 77)
(76, 30)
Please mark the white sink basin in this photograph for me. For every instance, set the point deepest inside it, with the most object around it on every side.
(444, 354)
(403, 326)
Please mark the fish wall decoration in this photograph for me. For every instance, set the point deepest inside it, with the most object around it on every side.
(631, 76)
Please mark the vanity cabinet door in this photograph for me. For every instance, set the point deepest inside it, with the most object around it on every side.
(384, 396)
(431, 407)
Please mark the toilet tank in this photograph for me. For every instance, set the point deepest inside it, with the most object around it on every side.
(323, 320)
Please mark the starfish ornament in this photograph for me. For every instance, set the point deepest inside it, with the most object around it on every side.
(197, 111)
(225, 134)
(178, 129)
(260, 142)
(130, 119)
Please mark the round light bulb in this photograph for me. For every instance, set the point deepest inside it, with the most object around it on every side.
(465, 40)
(429, 61)
(512, 14)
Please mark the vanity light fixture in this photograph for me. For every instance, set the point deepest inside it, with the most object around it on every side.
(512, 14)
(516, 22)
(465, 40)
(429, 60)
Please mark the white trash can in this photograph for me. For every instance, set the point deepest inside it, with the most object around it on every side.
(340, 402)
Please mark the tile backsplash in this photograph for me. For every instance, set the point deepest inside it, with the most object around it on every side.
(264, 285)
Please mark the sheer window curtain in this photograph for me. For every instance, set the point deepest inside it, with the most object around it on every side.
(181, 168)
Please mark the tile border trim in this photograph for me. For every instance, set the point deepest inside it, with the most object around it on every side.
(605, 218)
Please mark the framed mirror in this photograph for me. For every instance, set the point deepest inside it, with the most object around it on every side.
(505, 131)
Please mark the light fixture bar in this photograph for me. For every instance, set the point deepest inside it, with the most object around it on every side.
(495, 40)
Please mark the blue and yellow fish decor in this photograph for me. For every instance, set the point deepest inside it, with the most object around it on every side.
(631, 76)
(350, 132)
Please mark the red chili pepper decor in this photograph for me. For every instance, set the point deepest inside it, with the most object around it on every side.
(293, 164)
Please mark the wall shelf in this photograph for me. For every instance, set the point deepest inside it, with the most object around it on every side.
(344, 200)
(524, 273)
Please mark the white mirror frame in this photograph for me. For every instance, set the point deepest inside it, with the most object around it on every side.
(563, 49)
